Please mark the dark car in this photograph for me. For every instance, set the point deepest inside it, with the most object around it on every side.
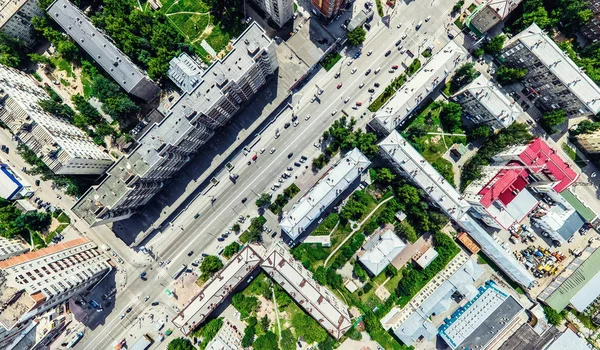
(37, 182)
(290, 155)
(296, 163)
(368, 72)
(376, 84)
(196, 216)
(191, 253)
(367, 26)
(371, 90)
(357, 54)
(451, 36)
(287, 125)
(388, 53)
(220, 239)
(128, 310)
(244, 200)
(398, 42)
(294, 118)
(155, 303)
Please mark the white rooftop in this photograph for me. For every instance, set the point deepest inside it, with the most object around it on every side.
(426, 258)
(320, 196)
(491, 98)
(587, 294)
(317, 301)
(569, 340)
(420, 85)
(503, 7)
(217, 289)
(379, 251)
(546, 50)
(424, 174)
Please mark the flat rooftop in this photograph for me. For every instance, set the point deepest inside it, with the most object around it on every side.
(559, 63)
(379, 250)
(424, 174)
(321, 195)
(503, 7)
(481, 320)
(8, 8)
(493, 100)
(217, 289)
(97, 45)
(419, 86)
(316, 300)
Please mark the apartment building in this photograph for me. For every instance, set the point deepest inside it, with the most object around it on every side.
(484, 103)
(590, 142)
(327, 8)
(211, 98)
(64, 148)
(15, 18)
(591, 30)
(280, 11)
(553, 80)
(12, 247)
(490, 13)
(129, 76)
(12, 186)
(36, 282)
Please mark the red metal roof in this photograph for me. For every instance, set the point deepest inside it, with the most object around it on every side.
(504, 186)
(538, 153)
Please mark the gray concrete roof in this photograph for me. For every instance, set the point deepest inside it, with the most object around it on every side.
(102, 50)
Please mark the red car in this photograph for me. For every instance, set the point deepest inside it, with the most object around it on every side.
(339, 85)
(359, 103)
(395, 66)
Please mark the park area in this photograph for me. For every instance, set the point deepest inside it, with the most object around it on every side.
(203, 27)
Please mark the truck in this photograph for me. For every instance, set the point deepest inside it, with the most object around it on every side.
(143, 343)
(179, 271)
(75, 339)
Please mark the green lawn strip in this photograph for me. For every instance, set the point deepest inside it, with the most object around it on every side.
(330, 60)
(389, 91)
(573, 155)
(414, 67)
(282, 199)
(393, 282)
(64, 65)
(379, 8)
(458, 22)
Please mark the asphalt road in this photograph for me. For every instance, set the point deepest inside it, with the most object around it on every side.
(199, 235)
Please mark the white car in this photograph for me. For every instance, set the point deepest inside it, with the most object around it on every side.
(272, 150)
(313, 99)
(402, 51)
(317, 145)
(262, 150)
(334, 112)
(399, 25)
(361, 85)
(307, 117)
(427, 19)
(369, 53)
(353, 70)
(350, 62)
(347, 99)
(296, 123)
(404, 36)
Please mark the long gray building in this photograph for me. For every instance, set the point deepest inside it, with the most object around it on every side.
(211, 97)
(129, 76)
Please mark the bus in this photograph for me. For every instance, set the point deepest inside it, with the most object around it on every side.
(179, 272)
(75, 339)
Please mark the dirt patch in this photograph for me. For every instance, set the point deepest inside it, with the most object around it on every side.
(266, 308)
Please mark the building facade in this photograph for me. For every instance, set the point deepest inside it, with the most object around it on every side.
(12, 247)
(15, 18)
(553, 80)
(64, 148)
(36, 282)
(591, 30)
(484, 103)
(129, 76)
(215, 96)
(491, 13)
(280, 11)
(590, 142)
(12, 186)
(327, 8)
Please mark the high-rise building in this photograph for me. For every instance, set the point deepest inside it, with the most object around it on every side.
(35, 282)
(129, 76)
(280, 11)
(591, 30)
(590, 142)
(491, 13)
(15, 18)
(327, 8)
(553, 80)
(211, 98)
(64, 148)
(484, 103)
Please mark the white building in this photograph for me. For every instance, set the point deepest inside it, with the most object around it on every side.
(217, 289)
(324, 193)
(280, 11)
(491, 13)
(379, 250)
(129, 76)
(35, 282)
(15, 18)
(561, 221)
(12, 247)
(484, 103)
(331, 313)
(216, 95)
(64, 148)
(410, 163)
(12, 186)
(399, 108)
(553, 80)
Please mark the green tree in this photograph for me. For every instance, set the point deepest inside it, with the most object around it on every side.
(264, 324)
(357, 36)
(384, 176)
(263, 200)
(463, 76)
(353, 210)
(246, 305)
(67, 49)
(407, 231)
(249, 332)
(34, 221)
(268, 341)
(478, 52)
(495, 45)
(585, 127)
(551, 120)
(12, 51)
(450, 117)
(210, 265)
(231, 250)
(506, 75)
(180, 344)
(359, 272)
(320, 275)
(553, 317)
(307, 328)
(288, 341)
(408, 195)
(534, 12)
(481, 132)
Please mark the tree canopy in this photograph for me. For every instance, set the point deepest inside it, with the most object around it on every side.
(357, 36)
(12, 51)
(210, 265)
(263, 200)
(231, 250)
(267, 341)
(463, 76)
(495, 45)
(180, 344)
(507, 75)
(551, 120)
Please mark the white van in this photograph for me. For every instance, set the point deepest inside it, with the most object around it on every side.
(377, 70)
(419, 25)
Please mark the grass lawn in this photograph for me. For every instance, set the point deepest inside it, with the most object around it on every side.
(446, 89)
(573, 155)
(414, 67)
(472, 7)
(330, 60)
(459, 23)
(389, 91)
(392, 284)
(64, 65)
